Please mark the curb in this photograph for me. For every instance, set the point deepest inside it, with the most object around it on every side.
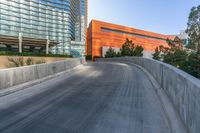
(174, 120)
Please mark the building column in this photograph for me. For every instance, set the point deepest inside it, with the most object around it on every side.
(70, 48)
(47, 46)
(20, 42)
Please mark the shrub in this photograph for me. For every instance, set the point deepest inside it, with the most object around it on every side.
(88, 57)
(138, 51)
(175, 57)
(29, 61)
(156, 55)
(42, 61)
(129, 49)
(19, 61)
(191, 65)
(180, 58)
(16, 61)
(118, 54)
(110, 53)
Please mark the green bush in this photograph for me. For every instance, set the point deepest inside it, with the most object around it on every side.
(110, 53)
(157, 55)
(118, 54)
(191, 65)
(175, 57)
(129, 49)
(180, 58)
(88, 57)
(138, 51)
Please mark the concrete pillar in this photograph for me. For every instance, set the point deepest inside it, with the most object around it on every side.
(20, 42)
(70, 48)
(47, 46)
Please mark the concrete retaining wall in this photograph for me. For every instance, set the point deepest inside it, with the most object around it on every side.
(182, 88)
(15, 76)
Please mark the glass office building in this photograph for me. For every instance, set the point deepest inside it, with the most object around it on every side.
(62, 23)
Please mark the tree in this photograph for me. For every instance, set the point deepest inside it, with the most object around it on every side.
(191, 65)
(138, 51)
(181, 58)
(177, 42)
(175, 57)
(161, 51)
(110, 53)
(191, 44)
(118, 54)
(193, 27)
(157, 53)
(129, 49)
(175, 54)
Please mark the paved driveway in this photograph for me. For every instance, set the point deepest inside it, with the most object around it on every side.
(95, 98)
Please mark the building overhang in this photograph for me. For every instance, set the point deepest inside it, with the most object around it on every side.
(26, 41)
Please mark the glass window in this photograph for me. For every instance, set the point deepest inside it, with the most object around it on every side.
(5, 27)
(4, 11)
(33, 4)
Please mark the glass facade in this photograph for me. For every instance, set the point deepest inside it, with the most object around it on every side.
(63, 21)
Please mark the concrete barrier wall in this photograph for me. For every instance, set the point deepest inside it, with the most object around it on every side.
(15, 76)
(182, 88)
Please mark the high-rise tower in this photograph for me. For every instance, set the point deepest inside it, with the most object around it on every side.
(62, 22)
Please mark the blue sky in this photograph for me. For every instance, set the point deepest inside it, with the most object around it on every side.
(162, 16)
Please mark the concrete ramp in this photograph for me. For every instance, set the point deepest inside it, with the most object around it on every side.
(181, 89)
(102, 97)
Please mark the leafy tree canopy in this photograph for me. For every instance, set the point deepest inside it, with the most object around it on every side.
(180, 58)
(110, 53)
(192, 44)
(130, 49)
(157, 54)
(127, 48)
(193, 24)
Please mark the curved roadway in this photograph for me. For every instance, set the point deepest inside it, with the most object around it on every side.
(95, 98)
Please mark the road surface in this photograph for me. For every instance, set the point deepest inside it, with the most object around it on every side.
(95, 98)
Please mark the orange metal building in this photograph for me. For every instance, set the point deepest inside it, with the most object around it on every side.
(102, 34)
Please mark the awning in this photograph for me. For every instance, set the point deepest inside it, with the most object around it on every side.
(13, 40)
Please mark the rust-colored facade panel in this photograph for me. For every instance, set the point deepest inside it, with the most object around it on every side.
(102, 34)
